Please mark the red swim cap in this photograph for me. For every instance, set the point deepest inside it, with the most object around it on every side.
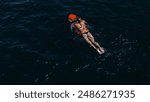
(72, 17)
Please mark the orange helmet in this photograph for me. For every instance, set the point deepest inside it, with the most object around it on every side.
(72, 17)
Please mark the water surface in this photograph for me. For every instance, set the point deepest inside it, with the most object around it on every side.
(37, 46)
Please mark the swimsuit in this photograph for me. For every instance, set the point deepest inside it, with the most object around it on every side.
(86, 32)
(77, 31)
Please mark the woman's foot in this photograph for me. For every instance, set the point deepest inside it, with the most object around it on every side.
(102, 50)
(99, 51)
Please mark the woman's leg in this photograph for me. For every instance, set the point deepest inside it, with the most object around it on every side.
(91, 38)
(85, 36)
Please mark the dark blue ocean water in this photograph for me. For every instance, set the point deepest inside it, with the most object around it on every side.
(37, 46)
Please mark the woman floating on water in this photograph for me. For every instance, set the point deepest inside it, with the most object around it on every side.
(80, 27)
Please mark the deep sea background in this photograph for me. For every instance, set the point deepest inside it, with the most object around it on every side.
(37, 46)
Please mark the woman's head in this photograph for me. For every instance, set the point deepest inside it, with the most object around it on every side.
(72, 17)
